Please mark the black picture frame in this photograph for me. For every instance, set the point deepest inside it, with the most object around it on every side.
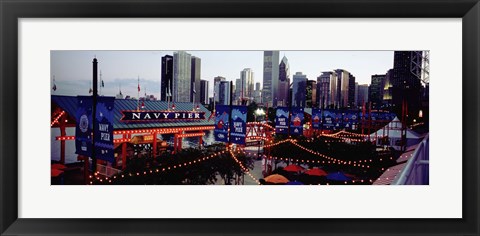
(11, 11)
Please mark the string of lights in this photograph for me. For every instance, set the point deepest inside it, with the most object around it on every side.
(334, 160)
(262, 124)
(57, 118)
(243, 167)
(353, 181)
(152, 171)
(61, 138)
(164, 130)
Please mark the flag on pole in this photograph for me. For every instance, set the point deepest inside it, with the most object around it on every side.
(138, 87)
(54, 85)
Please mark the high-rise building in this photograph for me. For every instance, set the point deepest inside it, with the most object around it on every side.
(204, 92)
(406, 83)
(311, 94)
(299, 89)
(216, 87)
(196, 73)
(238, 90)
(270, 77)
(246, 83)
(323, 88)
(362, 94)
(375, 91)
(224, 93)
(355, 101)
(283, 82)
(334, 91)
(182, 81)
(343, 82)
(351, 92)
(166, 77)
(387, 90)
(257, 97)
(218, 79)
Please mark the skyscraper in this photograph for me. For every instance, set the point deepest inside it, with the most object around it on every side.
(216, 87)
(343, 82)
(166, 77)
(362, 94)
(246, 83)
(257, 95)
(224, 93)
(406, 84)
(311, 94)
(387, 89)
(203, 92)
(299, 89)
(270, 77)
(196, 73)
(355, 101)
(237, 91)
(283, 82)
(323, 88)
(375, 91)
(334, 91)
(351, 92)
(182, 81)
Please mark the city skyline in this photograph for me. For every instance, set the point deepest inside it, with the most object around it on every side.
(121, 69)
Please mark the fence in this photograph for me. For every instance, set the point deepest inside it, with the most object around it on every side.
(416, 172)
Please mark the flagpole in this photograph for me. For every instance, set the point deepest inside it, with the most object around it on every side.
(138, 92)
(94, 112)
(193, 97)
(54, 85)
(167, 95)
(101, 83)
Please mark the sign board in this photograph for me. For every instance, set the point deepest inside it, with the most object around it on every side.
(103, 130)
(331, 119)
(83, 127)
(136, 116)
(316, 118)
(222, 123)
(351, 119)
(296, 124)
(282, 120)
(238, 126)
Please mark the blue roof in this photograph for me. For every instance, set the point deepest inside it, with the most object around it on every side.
(69, 105)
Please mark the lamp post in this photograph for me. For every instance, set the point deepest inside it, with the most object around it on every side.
(259, 112)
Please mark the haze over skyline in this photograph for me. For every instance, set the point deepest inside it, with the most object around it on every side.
(73, 69)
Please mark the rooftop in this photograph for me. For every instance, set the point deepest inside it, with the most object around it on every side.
(69, 105)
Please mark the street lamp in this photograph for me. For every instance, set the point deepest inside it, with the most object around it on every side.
(259, 112)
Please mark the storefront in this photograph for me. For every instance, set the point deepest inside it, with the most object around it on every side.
(138, 131)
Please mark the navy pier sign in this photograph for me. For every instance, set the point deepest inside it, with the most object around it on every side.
(133, 115)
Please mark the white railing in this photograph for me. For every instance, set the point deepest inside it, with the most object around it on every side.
(107, 170)
(416, 172)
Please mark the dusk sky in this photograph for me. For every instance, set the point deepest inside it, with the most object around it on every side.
(73, 69)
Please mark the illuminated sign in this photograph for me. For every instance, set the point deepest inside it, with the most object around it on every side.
(129, 116)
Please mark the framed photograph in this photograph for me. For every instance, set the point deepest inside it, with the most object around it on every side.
(250, 118)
